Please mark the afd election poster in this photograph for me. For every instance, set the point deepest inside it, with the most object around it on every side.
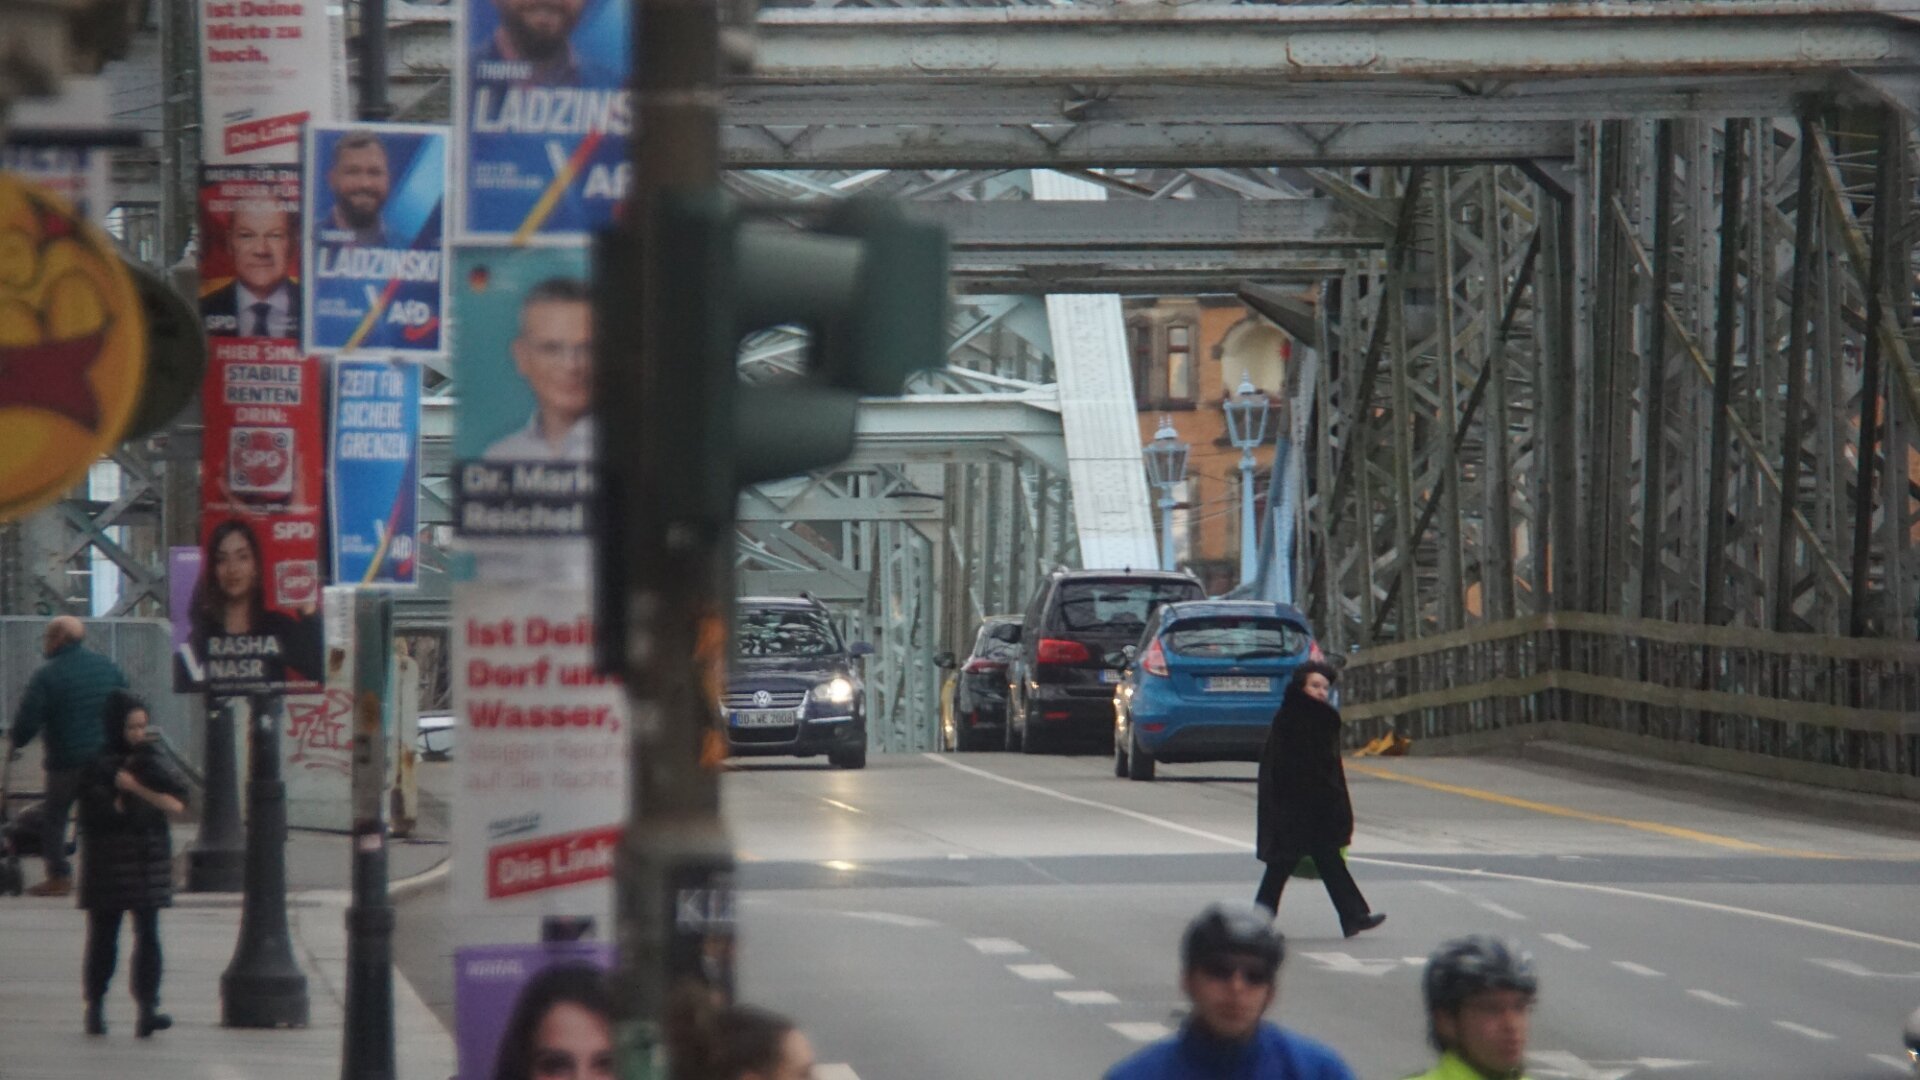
(542, 111)
(376, 269)
(253, 619)
(250, 251)
(267, 69)
(522, 451)
(510, 1001)
(373, 470)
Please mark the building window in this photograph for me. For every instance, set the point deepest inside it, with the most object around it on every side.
(1180, 364)
(1140, 341)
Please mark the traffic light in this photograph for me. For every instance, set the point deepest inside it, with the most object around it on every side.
(679, 433)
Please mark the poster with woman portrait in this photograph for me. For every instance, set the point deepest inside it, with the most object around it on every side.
(253, 618)
(526, 1012)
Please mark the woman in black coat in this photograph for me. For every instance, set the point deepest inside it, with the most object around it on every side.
(1304, 809)
(126, 858)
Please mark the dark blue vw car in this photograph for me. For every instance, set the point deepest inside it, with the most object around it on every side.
(1204, 682)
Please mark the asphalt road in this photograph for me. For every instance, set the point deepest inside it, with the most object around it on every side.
(965, 917)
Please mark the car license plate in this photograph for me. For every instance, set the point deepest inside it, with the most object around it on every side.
(1238, 684)
(764, 718)
(1108, 675)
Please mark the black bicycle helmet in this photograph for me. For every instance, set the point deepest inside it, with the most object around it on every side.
(1232, 929)
(1466, 966)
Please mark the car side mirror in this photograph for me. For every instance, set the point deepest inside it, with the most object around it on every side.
(944, 660)
(860, 648)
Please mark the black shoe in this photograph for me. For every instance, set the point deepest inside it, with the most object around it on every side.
(96, 1018)
(151, 1022)
(1366, 922)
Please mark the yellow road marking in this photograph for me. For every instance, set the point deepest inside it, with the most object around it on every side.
(1674, 831)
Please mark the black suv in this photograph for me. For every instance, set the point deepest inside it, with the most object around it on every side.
(794, 687)
(1072, 646)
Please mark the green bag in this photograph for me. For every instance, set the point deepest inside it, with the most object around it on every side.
(1306, 868)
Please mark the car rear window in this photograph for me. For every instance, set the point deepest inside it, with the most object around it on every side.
(1235, 638)
(1117, 607)
(998, 641)
(784, 632)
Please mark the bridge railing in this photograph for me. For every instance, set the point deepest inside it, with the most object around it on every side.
(1749, 700)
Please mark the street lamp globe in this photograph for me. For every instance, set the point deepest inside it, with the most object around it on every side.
(1247, 411)
(1166, 456)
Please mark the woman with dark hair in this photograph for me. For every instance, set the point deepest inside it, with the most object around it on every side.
(126, 858)
(755, 1044)
(1304, 810)
(234, 641)
(562, 1028)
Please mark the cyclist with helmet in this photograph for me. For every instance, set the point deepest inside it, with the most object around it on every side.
(1229, 961)
(1480, 992)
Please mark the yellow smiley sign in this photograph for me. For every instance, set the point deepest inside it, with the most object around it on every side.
(73, 347)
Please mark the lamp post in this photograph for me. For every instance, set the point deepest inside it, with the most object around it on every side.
(1167, 468)
(1247, 412)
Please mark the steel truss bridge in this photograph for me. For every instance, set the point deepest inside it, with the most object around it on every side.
(1609, 402)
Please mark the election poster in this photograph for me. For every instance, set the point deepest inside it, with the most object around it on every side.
(78, 175)
(253, 619)
(373, 472)
(542, 111)
(541, 773)
(267, 69)
(250, 251)
(522, 450)
(376, 268)
(504, 996)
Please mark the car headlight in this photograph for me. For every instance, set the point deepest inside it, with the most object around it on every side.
(835, 691)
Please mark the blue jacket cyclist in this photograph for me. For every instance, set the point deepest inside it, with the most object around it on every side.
(1229, 961)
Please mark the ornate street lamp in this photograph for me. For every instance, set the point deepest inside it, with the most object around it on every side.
(1247, 412)
(1167, 468)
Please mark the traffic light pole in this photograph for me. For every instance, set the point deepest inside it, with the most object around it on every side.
(367, 1051)
(673, 875)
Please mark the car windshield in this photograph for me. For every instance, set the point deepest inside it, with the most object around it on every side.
(784, 632)
(1235, 637)
(1118, 607)
(998, 641)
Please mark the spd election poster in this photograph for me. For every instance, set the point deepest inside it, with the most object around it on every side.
(375, 270)
(373, 469)
(542, 111)
(250, 251)
(267, 68)
(253, 620)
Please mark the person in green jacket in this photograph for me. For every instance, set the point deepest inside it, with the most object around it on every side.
(1480, 992)
(63, 699)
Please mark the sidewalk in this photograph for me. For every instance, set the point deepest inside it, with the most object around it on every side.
(41, 942)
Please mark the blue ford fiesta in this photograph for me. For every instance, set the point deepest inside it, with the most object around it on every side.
(1204, 682)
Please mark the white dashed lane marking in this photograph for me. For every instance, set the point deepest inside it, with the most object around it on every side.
(834, 1072)
(1143, 1031)
(1500, 910)
(1890, 1062)
(997, 946)
(1086, 997)
(1445, 890)
(1712, 998)
(1803, 1030)
(1566, 942)
(1040, 972)
(1641, 970)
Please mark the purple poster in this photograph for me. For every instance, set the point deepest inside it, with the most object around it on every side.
(183, 571)
(518, 1004)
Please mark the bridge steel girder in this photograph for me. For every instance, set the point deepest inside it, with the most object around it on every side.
(1307, 43)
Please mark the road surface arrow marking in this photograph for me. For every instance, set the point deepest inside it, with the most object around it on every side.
(1564, 1065)
(1351, 965)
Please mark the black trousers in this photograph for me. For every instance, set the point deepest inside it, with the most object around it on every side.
(103, 952)
(63, 786)
(1341, 888)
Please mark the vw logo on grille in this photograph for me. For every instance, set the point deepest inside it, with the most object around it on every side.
(762, 699)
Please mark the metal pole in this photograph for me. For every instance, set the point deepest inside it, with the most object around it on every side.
(673, 878)
(1248, 552)
(262, 986)
(1804, 256)
(373, 61)
(1719, 463)
(1653, 451)
(217, 862)
(1166, 526)
(367, 1051)
(1886, 194)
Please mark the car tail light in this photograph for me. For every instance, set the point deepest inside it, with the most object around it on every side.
(1153, 729)
(1314, 654)
(1056, 651)
(1154, 660)
(979, 664)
